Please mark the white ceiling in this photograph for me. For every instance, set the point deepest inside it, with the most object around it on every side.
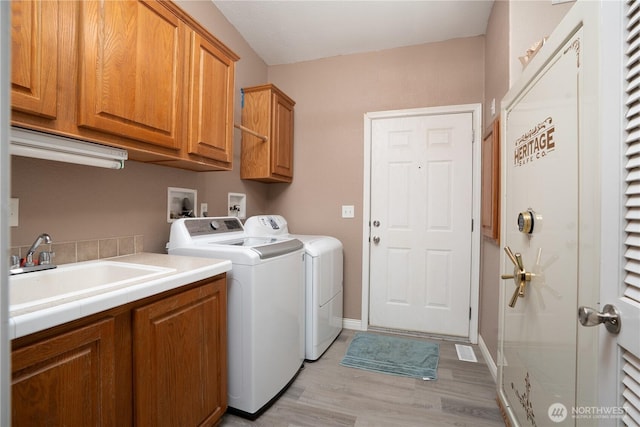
(284, 32)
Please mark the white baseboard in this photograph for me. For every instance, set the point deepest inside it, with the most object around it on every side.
(355, 324)
(493, 368)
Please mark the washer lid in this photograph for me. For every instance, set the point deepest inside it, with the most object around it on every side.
(266, 247)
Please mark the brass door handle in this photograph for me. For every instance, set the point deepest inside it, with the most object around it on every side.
(520, 276)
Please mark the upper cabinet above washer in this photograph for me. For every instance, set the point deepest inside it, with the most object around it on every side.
(133, 74)
(269, 112)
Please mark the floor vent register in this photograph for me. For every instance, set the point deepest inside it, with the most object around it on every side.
(465, 353)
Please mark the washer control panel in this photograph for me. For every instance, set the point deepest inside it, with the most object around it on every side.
(266, 225)
(207, 226)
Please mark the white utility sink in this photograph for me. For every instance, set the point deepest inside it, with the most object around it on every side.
(72, 281)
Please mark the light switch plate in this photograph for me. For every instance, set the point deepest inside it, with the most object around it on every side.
(14, 206)
(348, 211)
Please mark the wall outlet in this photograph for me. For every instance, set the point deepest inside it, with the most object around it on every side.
(204, 209)
(348, 211)
(14, 206)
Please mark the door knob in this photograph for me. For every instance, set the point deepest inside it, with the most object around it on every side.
(610, 316)
(520, 276)
(376, 239)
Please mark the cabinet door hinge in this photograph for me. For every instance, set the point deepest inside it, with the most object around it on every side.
(472, 225)
(469, 313)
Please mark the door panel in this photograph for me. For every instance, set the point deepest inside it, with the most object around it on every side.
(422, 200)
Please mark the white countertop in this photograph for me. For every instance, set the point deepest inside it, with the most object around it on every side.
(185, 270)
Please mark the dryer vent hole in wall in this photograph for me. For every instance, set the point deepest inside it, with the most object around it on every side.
(465, 353)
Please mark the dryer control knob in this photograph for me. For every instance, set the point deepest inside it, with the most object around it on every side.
(214, 225)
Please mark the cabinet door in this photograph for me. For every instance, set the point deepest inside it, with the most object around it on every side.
(67, 380)
(34, 57)
(255, 155)
(211, 86)
(267, 111)
(180, 358)
(282, 132)
(131, 70)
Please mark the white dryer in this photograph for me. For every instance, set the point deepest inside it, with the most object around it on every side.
(323, 281)
(265, 306)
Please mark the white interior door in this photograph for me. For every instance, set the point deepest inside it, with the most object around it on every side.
(421, 223)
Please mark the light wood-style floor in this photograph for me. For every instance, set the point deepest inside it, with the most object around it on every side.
(328, 394)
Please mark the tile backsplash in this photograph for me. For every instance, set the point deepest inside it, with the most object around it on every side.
(87, 250)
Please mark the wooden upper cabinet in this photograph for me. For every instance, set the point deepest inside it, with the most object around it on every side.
(131, 70)
(66, 380)
(141, 75)
(211, 86)
(269, 112)
(34, 57)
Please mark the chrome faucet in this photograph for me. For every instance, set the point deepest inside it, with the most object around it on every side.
(43, 238)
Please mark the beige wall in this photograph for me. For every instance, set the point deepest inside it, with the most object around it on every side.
(332, 95)
(529, 22)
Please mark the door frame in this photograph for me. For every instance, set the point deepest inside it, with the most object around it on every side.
(613, 187)
(476, 111)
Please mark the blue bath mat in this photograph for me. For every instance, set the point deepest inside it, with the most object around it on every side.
(393, 355)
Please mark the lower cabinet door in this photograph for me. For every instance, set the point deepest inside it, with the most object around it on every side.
(180, 369)
(66, 380)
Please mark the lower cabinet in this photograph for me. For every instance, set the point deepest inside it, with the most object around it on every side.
(66, 380)
(161, 361)
(179, 368)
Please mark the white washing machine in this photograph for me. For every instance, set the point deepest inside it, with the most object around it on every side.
(265, 306)
(323, 281)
